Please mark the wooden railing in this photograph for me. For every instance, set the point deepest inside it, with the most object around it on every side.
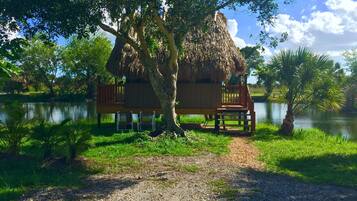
(110, 94)
(231, 95)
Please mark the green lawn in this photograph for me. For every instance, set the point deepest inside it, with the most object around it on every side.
(111, 153)
(115, 152)
(310, 155)
(258, 94)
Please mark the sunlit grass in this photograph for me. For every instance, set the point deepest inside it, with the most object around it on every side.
(120, 150)
(310, 155)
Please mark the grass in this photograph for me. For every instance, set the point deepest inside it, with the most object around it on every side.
(117, 151)
(189, 168)
(224, 189)
(258, 94)
(19, 175)
(310, 155)
(111, 153)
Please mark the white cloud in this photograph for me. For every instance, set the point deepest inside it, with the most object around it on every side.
(232, 25)
(314, 7)
(326, 22)
(13, 35)
(329, 32)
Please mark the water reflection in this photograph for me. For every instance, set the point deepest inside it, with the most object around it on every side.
(336, 123)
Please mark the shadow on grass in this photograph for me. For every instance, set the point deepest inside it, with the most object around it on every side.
(252, 184)
(17, 175)
(20, 175)
(330, 168)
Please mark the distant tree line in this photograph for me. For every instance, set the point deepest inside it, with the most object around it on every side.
(45, 66)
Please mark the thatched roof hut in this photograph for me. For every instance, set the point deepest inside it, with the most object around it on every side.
(209, 56)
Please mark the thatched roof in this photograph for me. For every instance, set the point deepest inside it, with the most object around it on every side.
(209, 56)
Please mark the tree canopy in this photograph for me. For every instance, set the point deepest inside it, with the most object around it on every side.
(252, 57)
(84, 62)
(351, 88)
(40, 63)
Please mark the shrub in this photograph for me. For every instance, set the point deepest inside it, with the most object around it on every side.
(15, 128)
(47, 135)
(76, 140)
(12, 87)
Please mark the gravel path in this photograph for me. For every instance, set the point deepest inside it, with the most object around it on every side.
(190, 178)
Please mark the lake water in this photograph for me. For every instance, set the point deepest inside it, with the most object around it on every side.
(335, 123)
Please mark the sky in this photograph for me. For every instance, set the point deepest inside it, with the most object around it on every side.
(325, 26)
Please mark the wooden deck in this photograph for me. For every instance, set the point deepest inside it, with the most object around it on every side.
(226, 103)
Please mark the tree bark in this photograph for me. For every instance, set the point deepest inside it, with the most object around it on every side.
(165, 89)
(288, 123)
(90, 90)
(168, 103)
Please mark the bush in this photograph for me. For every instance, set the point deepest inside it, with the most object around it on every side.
(47, 135)
(12, 87)
(15, 128)
(75, 140)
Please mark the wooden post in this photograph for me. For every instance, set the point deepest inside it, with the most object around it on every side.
(117, 121)
(99, 118)
(246, 90)
(223, 121)
(253, 123)
(216, 123)
(239, 118)
(246, 126)
(115, 117)
(138, 125)
(132, 122)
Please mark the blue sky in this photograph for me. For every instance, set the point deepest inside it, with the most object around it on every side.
(325, 26)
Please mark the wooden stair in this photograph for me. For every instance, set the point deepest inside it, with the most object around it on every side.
(234, 118)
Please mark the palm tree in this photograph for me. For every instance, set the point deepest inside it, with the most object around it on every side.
(306, 81)
(47, 135)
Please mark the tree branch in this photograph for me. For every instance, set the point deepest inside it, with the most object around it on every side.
(125, 38)
(171, 42)
(223, 5)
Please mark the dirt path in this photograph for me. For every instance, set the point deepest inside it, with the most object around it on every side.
(193, 178)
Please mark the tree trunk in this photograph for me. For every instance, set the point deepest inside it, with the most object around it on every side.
(165, 89)
(166, 94)
(90, 90)
(52, 91)
(288, 123)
